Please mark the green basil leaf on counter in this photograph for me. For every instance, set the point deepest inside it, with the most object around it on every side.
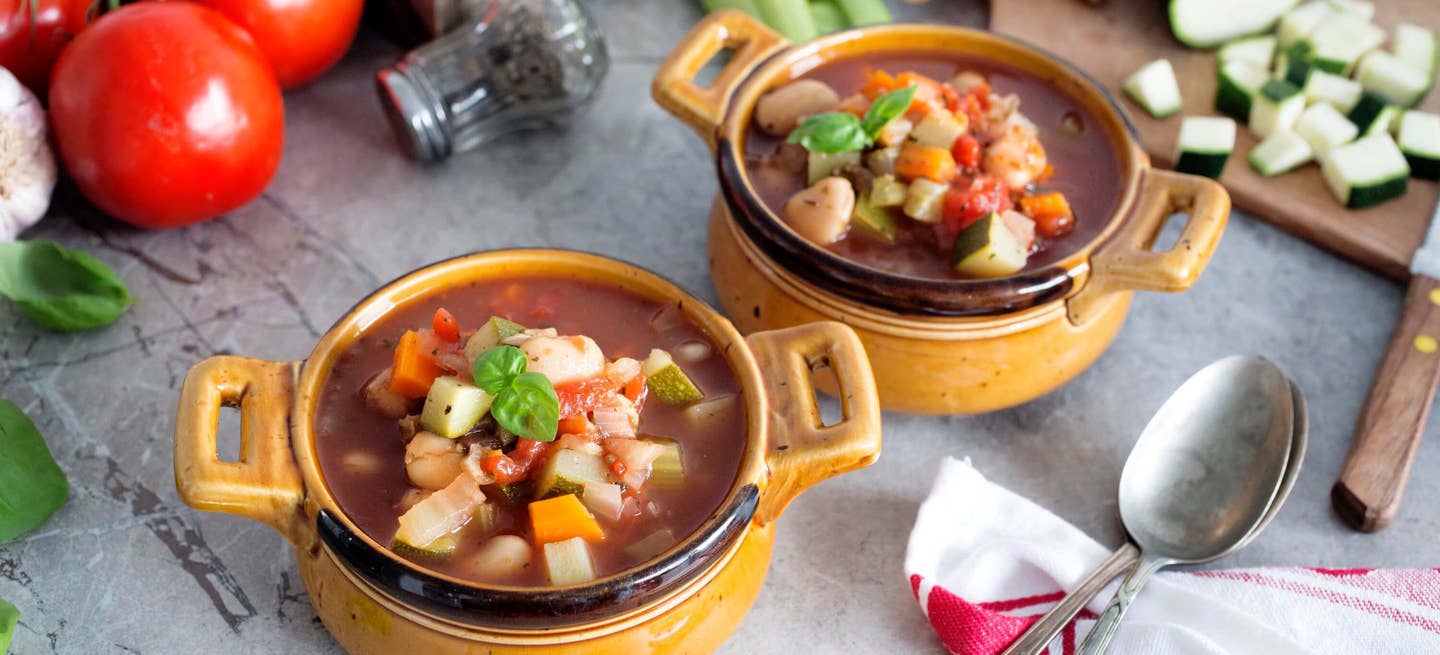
(32, 486)
(59, 288)
(496, 369)
(830, 132)
(9, 616)
(528, 408)
(887, 108)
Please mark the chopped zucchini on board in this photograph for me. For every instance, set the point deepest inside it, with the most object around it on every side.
(1293, 64)
(1420, 142)
(1205, 24)
(1235, 93)
(667, 381)
(821, 165)
(1342, 93)
(1366, 172)
(1257, 50)
(1388, 77)
(453, 407)
(1323, 127)
(441, 548)
(1205, 144)
(1301, 21)
(568, 471)
(1340, 40)
(489, 335)
(1418, 47)
(987, 249)
(1277, 107)
(568, 562)
(1154, 88)
(1374, 115)
(876, 222)
(1280, 152)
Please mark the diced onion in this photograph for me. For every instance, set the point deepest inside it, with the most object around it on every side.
(472, 466)
(693, 351)
(443, 512)
(622, 371)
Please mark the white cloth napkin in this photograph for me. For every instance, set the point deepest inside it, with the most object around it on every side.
(985, 563)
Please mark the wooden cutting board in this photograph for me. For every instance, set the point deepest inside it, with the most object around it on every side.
(1112, 40)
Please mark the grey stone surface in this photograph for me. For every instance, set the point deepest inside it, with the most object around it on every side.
(126, 567)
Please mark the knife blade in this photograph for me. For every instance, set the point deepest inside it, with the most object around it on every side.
(1372, 481)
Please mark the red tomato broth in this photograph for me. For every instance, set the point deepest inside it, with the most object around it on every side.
(621, 323)
(1085, 166)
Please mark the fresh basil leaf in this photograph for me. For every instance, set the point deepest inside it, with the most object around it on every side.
(496, 369)
(59, 288)
(9, 616)
(887, 108)
(830, 132)
(529, 408)
(32, 487)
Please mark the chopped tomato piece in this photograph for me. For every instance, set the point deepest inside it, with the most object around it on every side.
(966, 151)
(583, 396)
(574, 424)
(503, 468)
(529, 454)
(445, 325)
(636, 391)
(965, 205)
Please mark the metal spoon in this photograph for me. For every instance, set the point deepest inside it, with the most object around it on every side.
(1042, 632)
(1210, 464)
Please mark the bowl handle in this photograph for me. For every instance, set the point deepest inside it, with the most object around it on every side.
(264, 484)
(801, 450)
(1127, 263)
(674, 88)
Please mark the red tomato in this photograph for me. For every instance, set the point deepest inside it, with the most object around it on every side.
(582, 396)
(166, 114)
(29, 43)
(445, 326)
(965, 205)
(300, 38)
(966, 151)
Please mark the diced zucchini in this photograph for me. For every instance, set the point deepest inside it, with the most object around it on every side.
(453, 407)
(1257, 50)
(647, 548)
(887, 191)
(489, 336)
(1293, 64)
(668, 470)
(1340, 40)
(1342, 93)
(1420, 142)
(667, 381)
(1280, 152)
(1209, 23)
(568, 471)
(604, 499)
(1388, 77)
(1374, 115)
(938, 129)
(1366, 172)
(1238, 84)
(1301, 21)
(825, 164)
(1323, 127)
(568, 562)
(1204, 145)
(882, 161)
(1276, 107)
(987, 249)
(1154, 88)
(925, 199)
(440, 548)
(895, 132)
(877, 222)
(1417, 47)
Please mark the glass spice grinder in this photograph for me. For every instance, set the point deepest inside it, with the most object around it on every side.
(523, 64)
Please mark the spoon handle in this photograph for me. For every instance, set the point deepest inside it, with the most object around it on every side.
(1042, 632)
(1098, 641)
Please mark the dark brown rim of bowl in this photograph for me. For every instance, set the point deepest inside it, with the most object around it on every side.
(510, 607)
(892, 291)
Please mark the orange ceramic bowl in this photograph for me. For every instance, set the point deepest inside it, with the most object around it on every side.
(937, 346)
(689, 598)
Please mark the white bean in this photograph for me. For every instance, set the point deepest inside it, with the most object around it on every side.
(779, 111)
(432, 461)
(821, 213)
(501, 558)
(564, 359)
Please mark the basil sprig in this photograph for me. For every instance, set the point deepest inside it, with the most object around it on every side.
(59, 288)
(32, 486)
(839, 131)
(525, 402)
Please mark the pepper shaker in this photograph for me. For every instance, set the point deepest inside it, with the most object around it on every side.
(523, 64)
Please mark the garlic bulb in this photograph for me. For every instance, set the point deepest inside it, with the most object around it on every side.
(27, 167)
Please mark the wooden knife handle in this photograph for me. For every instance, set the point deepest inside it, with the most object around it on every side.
(1371, 482)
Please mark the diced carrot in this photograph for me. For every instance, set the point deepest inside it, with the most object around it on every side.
(574, 424)
(1045, 205)
(413, 369)
(929, 162)
(563, 517)
(445, 325)
(878, 84)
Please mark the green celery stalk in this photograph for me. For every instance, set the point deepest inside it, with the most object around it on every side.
(791, 18)
(828, 17)
(747, 6)
(865, 12)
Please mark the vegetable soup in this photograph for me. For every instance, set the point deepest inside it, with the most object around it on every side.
(933, 166)
(535, 432)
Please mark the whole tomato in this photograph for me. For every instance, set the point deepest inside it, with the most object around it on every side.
(32, 32)
(166, 114)
(301, 38)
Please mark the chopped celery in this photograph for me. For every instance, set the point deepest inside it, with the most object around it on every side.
(487, 518)
(668, 470)
(822, 165)
(568, 562)
(567, 472)
(651, 546)
(876, 221)
(452, 407)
